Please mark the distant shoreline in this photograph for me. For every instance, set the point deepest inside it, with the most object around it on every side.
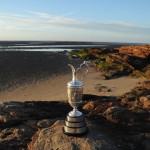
(55, 45)
(23, 43)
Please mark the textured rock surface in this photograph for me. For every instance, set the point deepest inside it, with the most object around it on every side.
(121, 123)
(54, 138)
(19, 121)
(128, 60)
(13, 113)
(113, 123)
(142, 51)
(145, 100)
(130, 112)
(15, 137)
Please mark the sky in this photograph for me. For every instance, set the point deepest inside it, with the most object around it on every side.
(76, 20)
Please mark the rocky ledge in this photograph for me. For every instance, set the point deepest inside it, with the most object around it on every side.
(115, 123)
(116, 62)
(54, 138)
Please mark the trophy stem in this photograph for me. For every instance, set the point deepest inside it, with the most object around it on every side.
(75, 112)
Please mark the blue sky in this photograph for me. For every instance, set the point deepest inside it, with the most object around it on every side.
(75, 20)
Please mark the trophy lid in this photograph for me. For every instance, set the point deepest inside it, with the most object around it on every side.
(75, 83)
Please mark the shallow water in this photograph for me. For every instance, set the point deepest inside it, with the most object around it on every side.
(47, 47)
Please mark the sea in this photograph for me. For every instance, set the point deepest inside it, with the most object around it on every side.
(51, 46)
(48, 48)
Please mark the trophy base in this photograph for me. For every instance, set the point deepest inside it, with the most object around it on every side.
(75, 126)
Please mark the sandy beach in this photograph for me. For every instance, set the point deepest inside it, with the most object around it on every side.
(43, 76)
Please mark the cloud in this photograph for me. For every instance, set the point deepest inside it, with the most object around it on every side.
(1, 22)
(45, 15)
(118, 22)
(54, 19)
(41, 15)
(70, 13)
(39, 21)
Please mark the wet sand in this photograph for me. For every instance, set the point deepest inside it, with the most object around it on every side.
(55, 88)
(38, 76)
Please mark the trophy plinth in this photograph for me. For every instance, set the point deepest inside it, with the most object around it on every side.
(75, 122)
(75, 125)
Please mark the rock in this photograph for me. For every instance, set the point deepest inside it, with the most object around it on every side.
(137, 97)
(126, 115)
(100, 88)
(31, 123)
(20, 120)
(119, 115)
(102, 77)
(73, 56)
(45, 123)
(99, 106)
(9, 120)
(147, 72)
(13, 113)
(129, 60)
(113, 110)
(15, 138)
(146, 84)
(54, 138)
(142, 51)
(90, 105)
(145, 100)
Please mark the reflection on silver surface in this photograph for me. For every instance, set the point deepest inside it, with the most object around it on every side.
(75, 94)
(75, 124)
(75, 119)
(75, 130)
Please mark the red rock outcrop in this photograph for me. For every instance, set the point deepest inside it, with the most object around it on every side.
(142, 51)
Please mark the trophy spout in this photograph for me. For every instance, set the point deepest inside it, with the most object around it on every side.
(74, 76)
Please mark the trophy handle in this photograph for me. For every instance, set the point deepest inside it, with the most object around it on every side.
(74, 71)
(80, 68)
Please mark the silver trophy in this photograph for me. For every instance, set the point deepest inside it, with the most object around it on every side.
(75, 122)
